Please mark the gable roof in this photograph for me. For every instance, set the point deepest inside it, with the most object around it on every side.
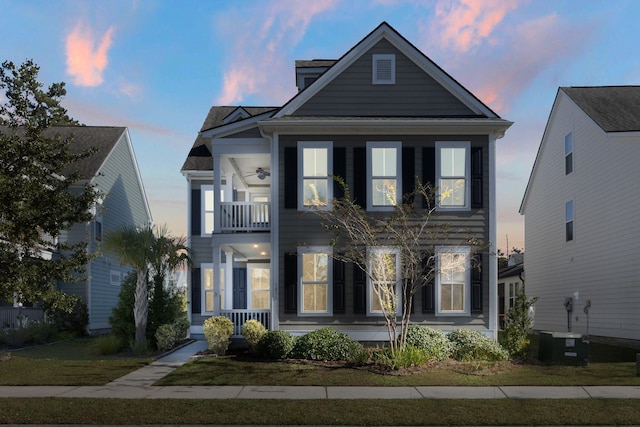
(386, 32)
(613, 108)
(199, 157)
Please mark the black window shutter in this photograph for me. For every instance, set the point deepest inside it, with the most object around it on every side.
(408, 171)
(429, 167)
(359, 290)
(195, 291)
(360, 176)
(428, 291)
(476, 290)
(196, 211)
(290, 283)
(291, 177)
(476, 178)
(338, 286)
(339, 169)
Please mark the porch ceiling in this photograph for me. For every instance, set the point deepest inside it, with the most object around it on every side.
(249, 251)
(253, 171)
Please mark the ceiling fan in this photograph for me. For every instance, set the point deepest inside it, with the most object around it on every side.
(261, 173)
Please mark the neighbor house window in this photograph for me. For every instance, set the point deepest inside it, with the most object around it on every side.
(315, 166)
(207, 288)
(568, 214)
(568, 153)
(315, 280)
(383, 70)
(452, 280)
(384, 183)
(453, 170)
(259, 278)
(98, 228)
(116, 278)
(384, 281)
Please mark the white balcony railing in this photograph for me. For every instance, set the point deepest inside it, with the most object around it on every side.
(239, 317)
(244, 216)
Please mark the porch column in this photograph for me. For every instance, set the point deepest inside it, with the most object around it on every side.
(228, 280)
(216, 279)
(493, 238)
(217, 186)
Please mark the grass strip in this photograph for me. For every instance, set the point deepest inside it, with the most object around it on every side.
(321, 412)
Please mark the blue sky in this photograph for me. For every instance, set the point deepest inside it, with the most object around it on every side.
(157, 66)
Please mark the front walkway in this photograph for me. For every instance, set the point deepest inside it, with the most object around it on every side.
(139, 385)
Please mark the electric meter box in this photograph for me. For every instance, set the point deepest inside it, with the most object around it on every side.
(563, 348)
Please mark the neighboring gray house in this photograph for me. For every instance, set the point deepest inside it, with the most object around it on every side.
(380, 116)
(579, 206)
(113, 169)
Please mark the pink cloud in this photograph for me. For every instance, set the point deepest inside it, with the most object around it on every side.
(86, 57)
(259, 45)
(463, 24)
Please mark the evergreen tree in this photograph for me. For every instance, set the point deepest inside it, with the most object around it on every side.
(39, 191)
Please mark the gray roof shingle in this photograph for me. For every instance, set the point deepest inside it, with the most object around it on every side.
(613, 108)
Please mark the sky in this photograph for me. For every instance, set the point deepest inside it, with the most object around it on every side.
(157, 66)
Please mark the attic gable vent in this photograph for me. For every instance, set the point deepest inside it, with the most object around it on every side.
(384, 69)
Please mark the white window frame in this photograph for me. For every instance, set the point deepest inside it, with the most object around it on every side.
(370, 283)
(302, 145)
(568, 153)
(440, 145)
(250, 267)
(204, 291)
(115, 274)
(569, 219)
(327, 250)
(466, 251)
(374, 68)
(397, 145)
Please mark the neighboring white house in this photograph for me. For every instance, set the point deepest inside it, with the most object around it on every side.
(580, 208)
(380, 116)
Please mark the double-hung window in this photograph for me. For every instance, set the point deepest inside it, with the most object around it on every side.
(384, 281)
(207, 209)
(207, 288)
(453, 280)
(315, 166)
(568, 219)
(259, 278)
(316, 295)
(568, 153)
(453, 169)
(384, 166)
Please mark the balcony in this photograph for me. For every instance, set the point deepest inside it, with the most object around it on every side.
(244, 216)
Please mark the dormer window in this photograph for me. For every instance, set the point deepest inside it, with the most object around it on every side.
(383, 69)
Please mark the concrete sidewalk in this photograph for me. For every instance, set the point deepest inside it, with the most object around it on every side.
(139, 385)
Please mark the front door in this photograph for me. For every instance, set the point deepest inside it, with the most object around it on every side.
(240, 288)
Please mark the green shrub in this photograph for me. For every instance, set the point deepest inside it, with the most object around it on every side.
(518, 326)
(181, 324)
(252, 331)
(167, 336)
(325, 344)
(433, 342)
(405, 357)
(74, 321)
(121, 320)
(33, 332)
(275, 345)
(218, 331)
(105, 344)
(471, 345)
(165, 306)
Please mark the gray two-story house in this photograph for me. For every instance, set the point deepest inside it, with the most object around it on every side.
(381, 116)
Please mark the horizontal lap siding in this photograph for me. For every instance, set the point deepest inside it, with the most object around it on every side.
(302, 229)
(414, 94)
(599, 264)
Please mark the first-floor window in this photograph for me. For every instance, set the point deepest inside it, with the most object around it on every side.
(315, 280)
(259, 278)
(384, 281)
(453, 280)
(207, 288)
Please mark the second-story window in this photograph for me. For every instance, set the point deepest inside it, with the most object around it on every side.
(384, 180)
(315, 167)
(568, 213)
(453, 171)
(568, 153)
(207, 209)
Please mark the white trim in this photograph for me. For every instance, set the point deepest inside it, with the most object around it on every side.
(465, 250)
(383, 144)
(376, 58)
(370, 293)
(467, 177)
(327, 250)
(302, 145)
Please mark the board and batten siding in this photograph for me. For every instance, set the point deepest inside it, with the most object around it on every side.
(414, 93)
(304, 229)
(598, 264)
